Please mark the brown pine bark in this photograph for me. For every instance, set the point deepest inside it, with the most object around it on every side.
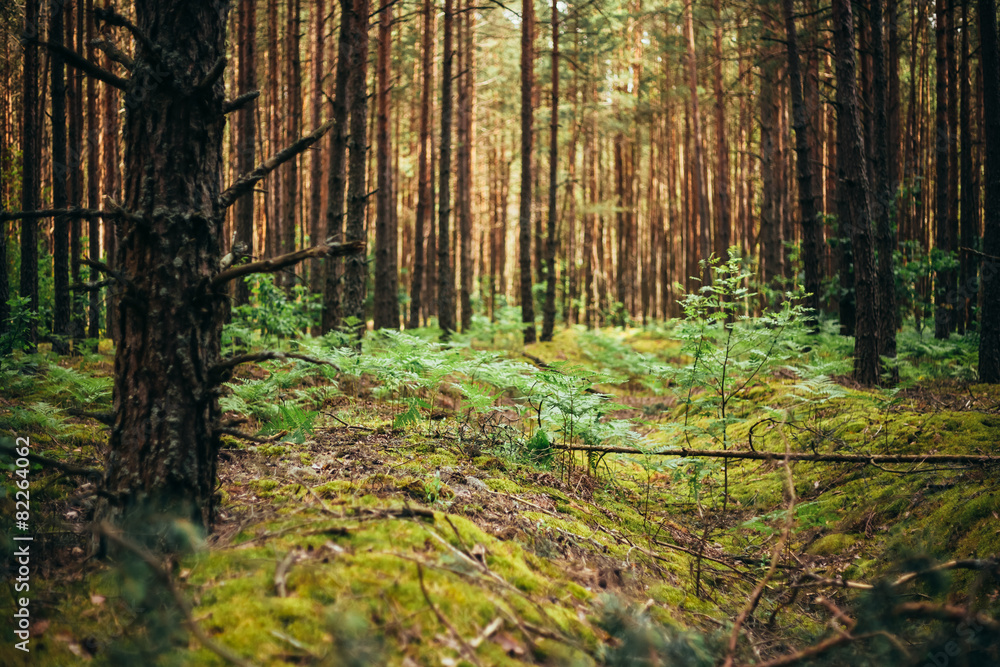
(445, 275)
(386, 282)
(463, 179)
(336, 183)
(243, 210)
(111, 188)
(723, 222)
(803, 164)
(355, 269)
(277, 107)
(93, 184)
(317, 231)
(290, 201)
(424, 214)
(944, 279)
(853, 182)
(60, 170)
(549, 310)
(770, 236)
(30, 169)
(989, 338)
(969, 265)
(74, 181)
(527, 113)
(698, 164)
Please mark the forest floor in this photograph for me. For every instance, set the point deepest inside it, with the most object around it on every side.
(380, 518)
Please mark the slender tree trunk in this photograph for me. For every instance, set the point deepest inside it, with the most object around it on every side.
(60, 170)
(356, 270)
(527, 113)
(336, 175)
(386, 281)
(463, 179)
(700, 186)
(275, 210)
(93, 193)
(856, 195)
(803, 163)
(423, 213)
(243, 210)
(943, 241)
(445, 276)
(723, 226)
(74, 39)
(549, 312)
(290, 208)
(883, 198)
(317, 231)
(989, 338)
(969, 264)
(30, 169)
(111, 188)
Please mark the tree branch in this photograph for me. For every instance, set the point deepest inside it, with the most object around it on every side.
(245, 183)
(91, 286)
(213, 75)
(113, 18)
(221, 370)
(45, 461)
(74, 59)
(794, 456)
(239, 102)
(111, 50)
(73, 212)
(278, 263)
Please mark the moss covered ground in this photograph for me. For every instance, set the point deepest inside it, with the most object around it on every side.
(356, 536)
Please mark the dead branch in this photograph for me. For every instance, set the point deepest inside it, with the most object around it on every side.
(213, 75)
(222, 370)
(45, 461)
(245, 183)
(840, 582)
(75, 60)
(112, 51)
(182, 604)
(72, 212)
(239, 102)
(113, 18)
(281, 573)
(236, 433)
(104, 268)
(793, 456)
(945, 612)
(92, 286)
(468, 650)
(278, 263)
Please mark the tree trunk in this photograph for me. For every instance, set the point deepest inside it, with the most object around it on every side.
(549, 312)
(163, 449)
(423, 213)
(723, 225)
(853, 182)
(336, 176)
(111, 188)
(989, 337)
(60, 234)
(943, 241)
(93, 194)
(803, 163)
(273, 231)
(290, 208)
(386, 285)
(246, 137)
(74, 39)
(698, 165)
(30, 170)
(356, 271)
(883, 201)
(527, 113)
(317, 232)
(445, 275)
(463, 179)
(968, 267)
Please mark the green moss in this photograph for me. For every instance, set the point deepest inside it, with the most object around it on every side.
(833, 544)
(503, 484)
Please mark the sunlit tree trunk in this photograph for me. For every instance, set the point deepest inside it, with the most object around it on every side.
(527, 81)
(549, 311)
(386, 283)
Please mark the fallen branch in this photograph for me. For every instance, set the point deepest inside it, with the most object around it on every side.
(793, 456)
(281, 573)
(67, 468)
(945, 612)
(468, 650)
(161, 573)
(245, 183)
(278, 263)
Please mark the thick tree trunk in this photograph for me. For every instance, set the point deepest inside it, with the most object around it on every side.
(549, 311)
(803, 163)
(246, 133)
(527, 113)
(445, 275)
(60, 233)
(163, 450)
(93, 184)
(336, 175)
(386, 285)
(423, 213)
(989, 337)
(853, 182)
(356, 270)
